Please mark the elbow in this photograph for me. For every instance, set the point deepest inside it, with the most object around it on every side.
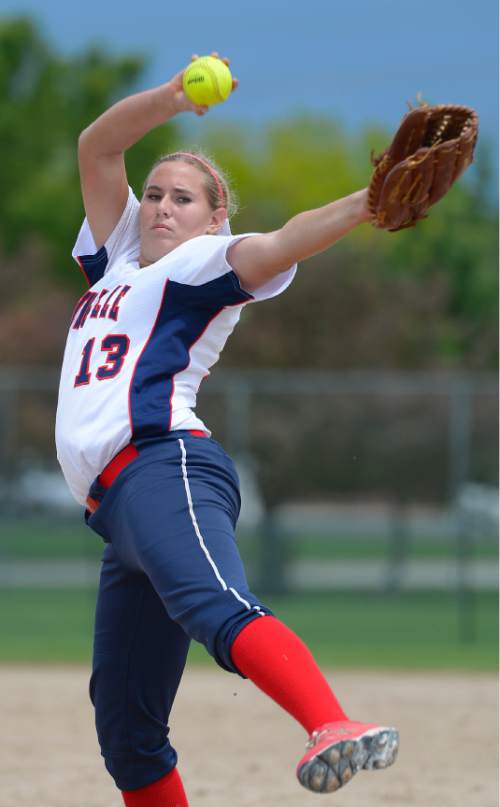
(90, 145)
(82, 136)
(84, 141)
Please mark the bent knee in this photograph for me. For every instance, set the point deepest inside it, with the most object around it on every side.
(216, 620)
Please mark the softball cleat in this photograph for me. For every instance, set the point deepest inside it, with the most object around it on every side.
(336, 751)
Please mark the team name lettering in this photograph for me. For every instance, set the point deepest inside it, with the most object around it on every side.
(115, 308)
(96, 309)
(105, 304)
(83, 309)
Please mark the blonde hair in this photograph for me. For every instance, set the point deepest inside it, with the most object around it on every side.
(217, 184)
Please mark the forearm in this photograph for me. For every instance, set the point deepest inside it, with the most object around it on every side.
(313, 231)
(129, 120)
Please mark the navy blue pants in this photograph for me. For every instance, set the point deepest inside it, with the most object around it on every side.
(171, 572)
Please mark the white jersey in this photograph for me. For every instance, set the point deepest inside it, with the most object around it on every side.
(140, 342)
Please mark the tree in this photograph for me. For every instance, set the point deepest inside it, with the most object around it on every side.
(418, 298)
(46, 101)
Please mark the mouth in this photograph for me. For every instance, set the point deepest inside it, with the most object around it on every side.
(162, 227)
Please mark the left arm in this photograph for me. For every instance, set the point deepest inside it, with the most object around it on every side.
(258, 258)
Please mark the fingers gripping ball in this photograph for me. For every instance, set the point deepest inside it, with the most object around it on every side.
(207, 81)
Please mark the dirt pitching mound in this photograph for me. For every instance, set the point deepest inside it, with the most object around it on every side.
(236, 748)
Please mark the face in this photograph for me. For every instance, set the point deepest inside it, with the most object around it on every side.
(175, 208)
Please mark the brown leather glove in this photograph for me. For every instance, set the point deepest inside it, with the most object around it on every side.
(431, 149)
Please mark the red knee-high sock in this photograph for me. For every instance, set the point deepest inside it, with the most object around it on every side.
(166, 792)
(280, 664)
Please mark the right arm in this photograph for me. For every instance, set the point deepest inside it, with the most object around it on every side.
(101, 148)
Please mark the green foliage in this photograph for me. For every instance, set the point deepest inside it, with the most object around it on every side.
(425, 296)
(46, 101)
(296, 165)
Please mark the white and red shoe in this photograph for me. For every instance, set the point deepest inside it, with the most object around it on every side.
(336, 751)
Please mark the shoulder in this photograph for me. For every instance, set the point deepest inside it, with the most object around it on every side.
(201, 259)
(207, 258)
(121, 246)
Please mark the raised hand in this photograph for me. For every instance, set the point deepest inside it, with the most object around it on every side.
(181, 101)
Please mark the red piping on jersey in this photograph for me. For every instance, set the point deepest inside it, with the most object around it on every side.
(218, 313)
(142, 351)
(80, 264)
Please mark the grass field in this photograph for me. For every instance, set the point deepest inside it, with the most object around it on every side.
(43, 539)
(40, 539)
(410, 631)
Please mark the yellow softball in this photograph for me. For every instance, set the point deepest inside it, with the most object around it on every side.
(207, 81)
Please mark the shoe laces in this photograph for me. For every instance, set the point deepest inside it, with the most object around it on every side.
(318, 734)
(315, 737)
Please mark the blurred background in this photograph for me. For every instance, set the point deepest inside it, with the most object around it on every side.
(361, 406)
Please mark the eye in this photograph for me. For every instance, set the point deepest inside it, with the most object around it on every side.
(184, 199)
(153, 196)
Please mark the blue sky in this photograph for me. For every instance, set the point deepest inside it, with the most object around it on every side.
(357, 61)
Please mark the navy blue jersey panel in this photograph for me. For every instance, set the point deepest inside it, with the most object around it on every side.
(94, 266)
(185, 313)
(233, 277)
(222, 291)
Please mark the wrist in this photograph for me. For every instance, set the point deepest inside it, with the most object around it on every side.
(361, 206)
(167, 99)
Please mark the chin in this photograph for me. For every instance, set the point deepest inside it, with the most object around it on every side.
(160, 253)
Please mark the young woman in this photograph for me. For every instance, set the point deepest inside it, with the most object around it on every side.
(167, 283)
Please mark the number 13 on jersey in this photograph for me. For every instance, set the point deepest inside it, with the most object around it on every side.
(116, 347)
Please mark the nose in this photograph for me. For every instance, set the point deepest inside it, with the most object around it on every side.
(164, 208)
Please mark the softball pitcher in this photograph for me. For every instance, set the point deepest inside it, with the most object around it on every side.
(167, 284)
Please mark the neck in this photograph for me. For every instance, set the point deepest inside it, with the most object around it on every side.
(143, 262)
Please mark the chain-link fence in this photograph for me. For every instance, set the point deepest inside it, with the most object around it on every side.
(381, 481)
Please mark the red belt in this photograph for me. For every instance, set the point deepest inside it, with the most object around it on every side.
(118, 463)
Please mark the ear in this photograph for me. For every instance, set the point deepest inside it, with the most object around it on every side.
(216, 221)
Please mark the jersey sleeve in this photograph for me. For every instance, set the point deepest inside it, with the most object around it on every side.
(273, 287)
(205, 260)
(123, 244)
